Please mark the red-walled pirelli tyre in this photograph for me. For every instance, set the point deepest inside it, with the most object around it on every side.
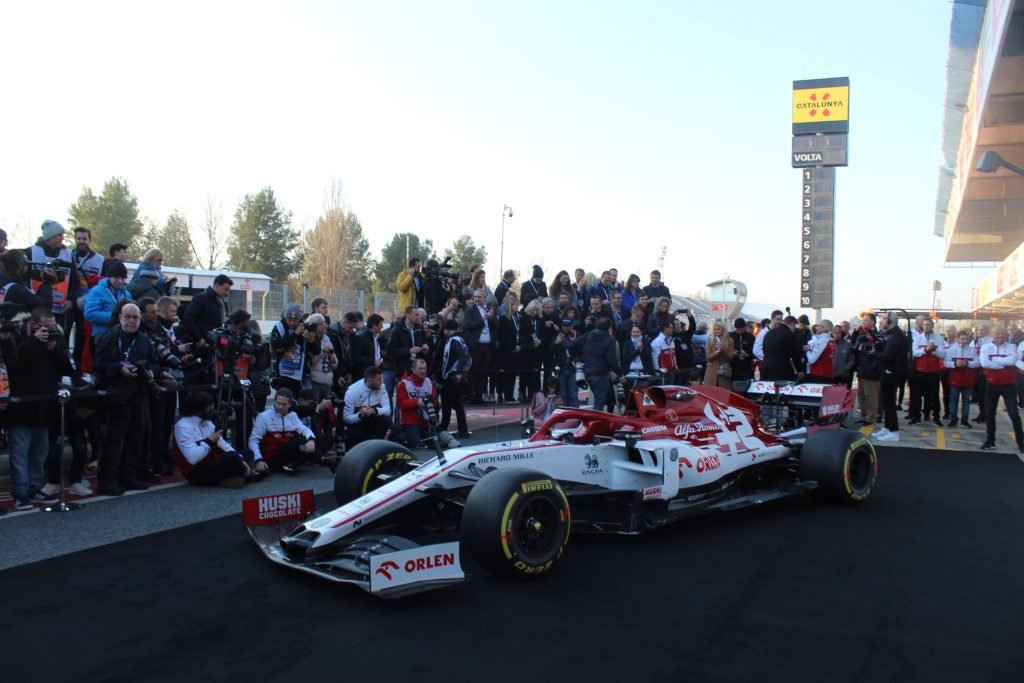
(516, 522)
(843, 463)
(362, 468)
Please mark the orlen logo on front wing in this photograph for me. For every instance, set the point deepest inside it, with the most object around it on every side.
(425, 564)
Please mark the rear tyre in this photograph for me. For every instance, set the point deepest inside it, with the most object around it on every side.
(843, 463)
(367, 466)
(516, 522)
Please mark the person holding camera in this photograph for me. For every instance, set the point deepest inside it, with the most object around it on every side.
(203, 454)
(122, 359)
(453, 363)
(12, 282)
(35, 369)
(162, 408)
(279, 439)
(435, 290)
(55, 267)
(565, 361)
(367, 411)
(417, 404)
(321, 354)
(145, 283)
(287, 344)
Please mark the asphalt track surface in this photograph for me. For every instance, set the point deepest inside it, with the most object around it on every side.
(920, 583)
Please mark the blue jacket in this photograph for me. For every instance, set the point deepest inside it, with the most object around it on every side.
(99, 304)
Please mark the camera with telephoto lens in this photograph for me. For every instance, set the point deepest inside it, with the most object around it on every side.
(145, 375)
(620, 393)
(229, 344)
(166, 356)
(52, 271)
(8, 311)
(430, 412)
(54, 331)
(581, 376)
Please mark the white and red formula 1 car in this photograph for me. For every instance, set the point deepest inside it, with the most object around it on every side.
(675, 452)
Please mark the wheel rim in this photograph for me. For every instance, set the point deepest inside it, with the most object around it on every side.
(536, 528)
(861, 470)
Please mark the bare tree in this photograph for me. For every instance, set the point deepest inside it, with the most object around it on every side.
(216, 240)
(335, 251)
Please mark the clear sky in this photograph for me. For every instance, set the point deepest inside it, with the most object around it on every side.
(611, 128)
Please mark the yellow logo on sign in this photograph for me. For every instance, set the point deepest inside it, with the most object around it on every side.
(815, 105)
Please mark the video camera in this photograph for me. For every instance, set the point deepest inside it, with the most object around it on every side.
(440, 270)
(52, 271)
(229, 344)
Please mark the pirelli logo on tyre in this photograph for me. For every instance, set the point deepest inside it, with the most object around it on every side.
(539, 485)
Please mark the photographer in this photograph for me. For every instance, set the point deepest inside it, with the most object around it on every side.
(122, 359)
(55, 267)
(435, 290)
(417, 403)
(206, 311)
(35, 369)
(321, 355)
(203, 454)
(287, 344)
(88, 265)
(454, 363)
(12, 279)
(565, 361)
(367, 412)
(408, 341)
(867, 347)
(162, 408)
(146, 283)
(279, 440)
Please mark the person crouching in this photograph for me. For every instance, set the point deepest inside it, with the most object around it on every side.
(416, 400)
(205, 457)
(279, 439)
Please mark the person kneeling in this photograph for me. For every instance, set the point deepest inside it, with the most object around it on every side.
(367, 411)
(417, 404)
(205, 457)
(279, 439)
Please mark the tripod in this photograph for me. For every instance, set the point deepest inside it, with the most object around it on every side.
(63, 396)
(236, 427)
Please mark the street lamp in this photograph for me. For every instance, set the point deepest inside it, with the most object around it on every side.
(991, 161)
(505, 211)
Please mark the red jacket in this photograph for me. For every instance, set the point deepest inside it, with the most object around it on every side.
(410, 390)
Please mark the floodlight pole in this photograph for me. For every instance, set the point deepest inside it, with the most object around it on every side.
(505, 211)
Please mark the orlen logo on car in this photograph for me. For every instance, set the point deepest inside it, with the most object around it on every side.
(417, 564)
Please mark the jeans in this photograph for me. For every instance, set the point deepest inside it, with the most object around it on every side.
(960, 396)
(29, 447)
(567, 388)
(599, 387)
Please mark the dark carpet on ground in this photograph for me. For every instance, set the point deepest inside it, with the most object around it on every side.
(920, 583)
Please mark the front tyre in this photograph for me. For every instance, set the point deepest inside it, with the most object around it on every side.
(516, 522)
(843, 463)
(368, 466)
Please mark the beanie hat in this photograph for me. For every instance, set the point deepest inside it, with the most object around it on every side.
(740, 322)
(117, 269)
(538, 272)
(147, 269)
(52, 229)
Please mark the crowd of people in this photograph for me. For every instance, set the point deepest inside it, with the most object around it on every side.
(186, 386)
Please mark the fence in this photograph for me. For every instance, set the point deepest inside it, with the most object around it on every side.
(270, 305)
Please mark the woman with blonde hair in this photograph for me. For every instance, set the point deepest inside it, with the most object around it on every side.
(720, 352)
(510, 352)
(529, 339)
